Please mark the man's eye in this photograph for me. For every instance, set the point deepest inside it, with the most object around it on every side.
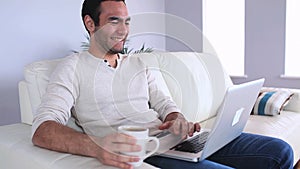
(114, 22)
(127, 23)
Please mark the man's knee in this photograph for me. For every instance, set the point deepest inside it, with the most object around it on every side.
(285, 153)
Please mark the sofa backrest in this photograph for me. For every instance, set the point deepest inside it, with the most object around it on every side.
(195, 81)
(36, 76)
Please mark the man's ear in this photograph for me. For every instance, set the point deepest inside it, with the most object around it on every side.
(89, 23)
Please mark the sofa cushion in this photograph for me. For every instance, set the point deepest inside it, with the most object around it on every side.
(294, 102)
(37, 76)
(25, 105)
(17, 152)
(271, 101)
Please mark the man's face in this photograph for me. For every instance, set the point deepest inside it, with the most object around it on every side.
(113, 27)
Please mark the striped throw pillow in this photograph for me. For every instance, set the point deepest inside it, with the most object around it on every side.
(271, 101)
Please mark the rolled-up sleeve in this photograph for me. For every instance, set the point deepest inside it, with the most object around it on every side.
(158, 100)
(60, 95)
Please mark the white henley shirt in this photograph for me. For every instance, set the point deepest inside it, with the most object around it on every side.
(103, 97)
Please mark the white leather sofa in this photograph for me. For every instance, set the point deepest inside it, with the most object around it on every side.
(196, 82)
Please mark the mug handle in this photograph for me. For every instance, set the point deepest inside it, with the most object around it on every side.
(155, 149)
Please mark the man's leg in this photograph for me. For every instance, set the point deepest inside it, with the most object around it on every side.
(250, 151)
(168, 163)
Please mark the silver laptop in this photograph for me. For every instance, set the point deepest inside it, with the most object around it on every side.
(228, 124)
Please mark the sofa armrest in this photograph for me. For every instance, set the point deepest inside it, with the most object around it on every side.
(294, 103)
(25, 106)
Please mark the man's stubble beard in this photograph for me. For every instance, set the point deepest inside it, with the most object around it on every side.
(113, 51)
(107, 48)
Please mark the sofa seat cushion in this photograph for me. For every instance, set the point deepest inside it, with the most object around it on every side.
(17, 151)
(284, 126)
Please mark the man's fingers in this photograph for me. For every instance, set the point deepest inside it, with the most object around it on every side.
(118, 164)
(185, 127)
(166, 125)
(126, 148)
(118, 142)
(124, 158)
(191, 129)
(197, 127)
(181, 126)
(123, 138)
(112, 145)
(177, 127)
(121, 161)
(124, 143)
(118, 160)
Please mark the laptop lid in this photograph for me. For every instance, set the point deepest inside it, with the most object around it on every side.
(232, 116)
(229, 123)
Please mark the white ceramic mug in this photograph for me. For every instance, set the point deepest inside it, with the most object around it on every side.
(142, 136)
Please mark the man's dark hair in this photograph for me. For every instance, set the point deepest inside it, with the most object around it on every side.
(93, 9)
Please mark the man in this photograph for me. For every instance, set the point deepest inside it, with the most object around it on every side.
(107, 89)
(108, 34)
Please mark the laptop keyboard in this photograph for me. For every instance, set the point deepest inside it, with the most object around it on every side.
(193, 145)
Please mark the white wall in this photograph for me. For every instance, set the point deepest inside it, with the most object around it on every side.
(147, 24)
(184, 25)
(34, 30)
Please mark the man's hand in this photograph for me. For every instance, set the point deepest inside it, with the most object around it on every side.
(111, 145)
(177, 124)
(54, 136)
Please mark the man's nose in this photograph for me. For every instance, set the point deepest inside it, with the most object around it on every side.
(123, 29)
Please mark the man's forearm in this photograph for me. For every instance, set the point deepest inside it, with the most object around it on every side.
(54, 136)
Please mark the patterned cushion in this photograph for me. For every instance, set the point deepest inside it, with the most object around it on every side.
(271, 101)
